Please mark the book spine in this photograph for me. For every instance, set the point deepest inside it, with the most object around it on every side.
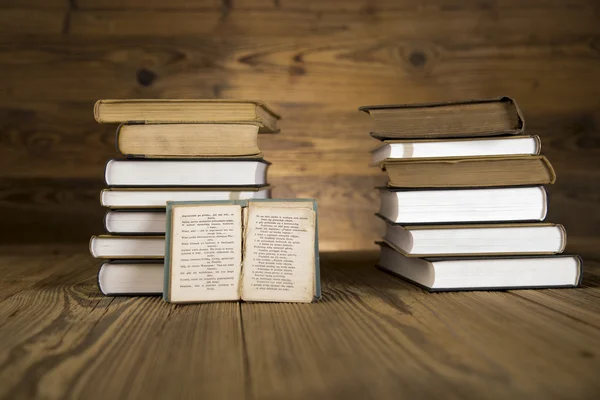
(580, 267)
(550, 169)
(97, 106)
(520, 119)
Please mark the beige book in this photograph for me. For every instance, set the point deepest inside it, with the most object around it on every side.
(257, 250)
(187, 111)
(188, 140)
(469, 172)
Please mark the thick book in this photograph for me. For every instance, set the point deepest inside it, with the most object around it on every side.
(469, 172)
(187, 111)
(154, 198)
(170, 173)
(438, 206)
(479, 147)
(476, 239)
(484, 273)
(188, 140)
(472, 118)
(258, 250)
(136, 222)
(127, 247)
(131, 277)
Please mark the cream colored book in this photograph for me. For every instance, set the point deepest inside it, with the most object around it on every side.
(256, 250)
(188, 140)
(151, 111)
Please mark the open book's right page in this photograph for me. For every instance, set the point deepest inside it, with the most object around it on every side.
(279, 254)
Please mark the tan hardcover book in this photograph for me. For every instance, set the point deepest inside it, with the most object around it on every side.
(473, 118)
(187, 111)
(476, 239)
(188, 140)
(469, 172)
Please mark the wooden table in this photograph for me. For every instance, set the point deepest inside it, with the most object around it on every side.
(371, 336)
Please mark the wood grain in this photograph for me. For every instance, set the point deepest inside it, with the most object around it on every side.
(372, 336)
(315, 62)
(67, 340)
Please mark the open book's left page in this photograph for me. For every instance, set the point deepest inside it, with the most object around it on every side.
(205, 254)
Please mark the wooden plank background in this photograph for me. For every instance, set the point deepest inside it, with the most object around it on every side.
(314, 62)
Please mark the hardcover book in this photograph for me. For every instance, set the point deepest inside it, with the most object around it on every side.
(484, 273)
(445, 206)
(186, 111)
(436, 148)
(476, 239)
(189, 173)
(256, 250)
(188, 140)
(156, 198)
(469, 172)
(475, 118)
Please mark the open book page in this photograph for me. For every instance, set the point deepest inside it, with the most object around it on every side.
(279, 254)
(205, 253)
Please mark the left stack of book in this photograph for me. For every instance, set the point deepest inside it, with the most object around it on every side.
(174, 150)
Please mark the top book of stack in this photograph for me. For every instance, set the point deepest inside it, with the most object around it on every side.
(464, 119)
(187, 111)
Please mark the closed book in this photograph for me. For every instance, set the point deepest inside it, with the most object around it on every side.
(187, 173)
(434, 148)
(469, 172)
(127, 247)
(484, 273)
(156, 198)
(476, 239)
(188, 140)
(131, 277)
(472, 118)
(440, 206)
(187, 111)
(136, 222)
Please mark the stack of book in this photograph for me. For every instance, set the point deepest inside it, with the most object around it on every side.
(465, 201)
(174, 150)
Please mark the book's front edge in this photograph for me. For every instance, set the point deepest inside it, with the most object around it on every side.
(168, 246)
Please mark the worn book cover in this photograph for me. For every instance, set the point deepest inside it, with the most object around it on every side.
(251, 250)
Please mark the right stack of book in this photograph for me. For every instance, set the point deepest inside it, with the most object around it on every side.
(465, 203)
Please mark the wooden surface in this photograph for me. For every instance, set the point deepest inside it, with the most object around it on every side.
(314, 62)
(372, 336)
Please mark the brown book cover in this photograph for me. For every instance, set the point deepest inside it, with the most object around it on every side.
(188, 140)
(454, 119)
(215, 111)
(469, 172)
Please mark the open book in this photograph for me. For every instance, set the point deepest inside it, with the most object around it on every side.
(252, 250)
